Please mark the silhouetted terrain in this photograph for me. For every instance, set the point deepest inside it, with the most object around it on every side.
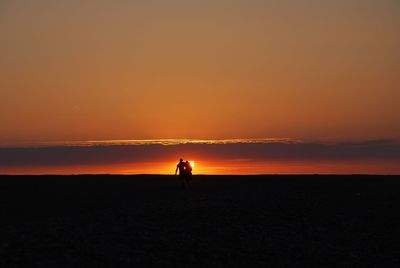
(228, 221)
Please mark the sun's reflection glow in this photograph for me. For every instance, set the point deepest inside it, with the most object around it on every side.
(192, 163)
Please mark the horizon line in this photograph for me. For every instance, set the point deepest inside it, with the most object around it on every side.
(220, 175)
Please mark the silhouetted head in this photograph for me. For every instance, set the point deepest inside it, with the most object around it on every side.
(181, 160)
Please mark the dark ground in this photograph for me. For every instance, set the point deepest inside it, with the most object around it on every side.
(225, 221)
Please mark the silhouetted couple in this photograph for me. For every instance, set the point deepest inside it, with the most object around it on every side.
(185, 173)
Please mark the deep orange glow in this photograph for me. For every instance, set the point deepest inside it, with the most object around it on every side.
(209, 167)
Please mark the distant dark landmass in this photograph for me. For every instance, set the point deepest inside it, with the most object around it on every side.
(224, 221)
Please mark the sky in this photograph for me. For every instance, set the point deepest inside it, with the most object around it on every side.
(311, 71)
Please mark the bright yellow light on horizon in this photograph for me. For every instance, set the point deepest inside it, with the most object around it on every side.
(191, 162)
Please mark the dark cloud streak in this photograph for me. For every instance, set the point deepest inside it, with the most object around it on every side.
(276, 151)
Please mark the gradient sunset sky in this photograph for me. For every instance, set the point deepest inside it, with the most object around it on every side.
(315, 73)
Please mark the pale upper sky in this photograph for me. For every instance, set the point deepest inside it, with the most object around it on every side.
(90, 70)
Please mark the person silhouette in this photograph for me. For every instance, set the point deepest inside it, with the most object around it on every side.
(182, 172)
(188, 170)
(188, 174)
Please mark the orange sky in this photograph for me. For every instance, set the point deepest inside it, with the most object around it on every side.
(86, 70)
(79, 80)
